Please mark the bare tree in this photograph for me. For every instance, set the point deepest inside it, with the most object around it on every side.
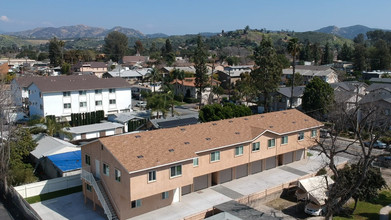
(367, 123)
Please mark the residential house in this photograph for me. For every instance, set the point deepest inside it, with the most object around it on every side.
(187, 88)
(96, 68)
(374, 74)
(3, 69)
(19, 89)
(135, 60)
(176, 121)
(139, 88)
(128, 74)
(231, 74)
(349, 93)
(145, 171)
(130, 120)
(93, 131)
(326, 73)
(63, 164)
(281, 99)
(380, 80)
(63, 95)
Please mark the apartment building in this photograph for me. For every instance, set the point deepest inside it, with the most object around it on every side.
(135, 173)
(63, 95)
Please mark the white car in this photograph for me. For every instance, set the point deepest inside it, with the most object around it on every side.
(314, 209)
(141, 104)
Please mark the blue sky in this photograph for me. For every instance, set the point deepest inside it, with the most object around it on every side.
(194, 16)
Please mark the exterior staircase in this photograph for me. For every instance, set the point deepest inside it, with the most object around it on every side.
(101, 193)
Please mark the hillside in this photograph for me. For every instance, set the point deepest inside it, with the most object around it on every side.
(346, 32)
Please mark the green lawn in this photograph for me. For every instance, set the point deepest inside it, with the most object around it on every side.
(369, 210)
(52, 195)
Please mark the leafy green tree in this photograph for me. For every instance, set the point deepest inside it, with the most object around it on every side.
(217, 112)
(299, 80)
(115, 46)
(306, 52)
(318, 96)
(200, 58)
(232, 60)
(154, 76)
(267, 73)
(346, 53)
(328, 55)
(158, 102)
(359, 57)
(381, 57)
(66, 68)
(293, 49)
(316, 53)
(55, 51)
(245, 88)
(43, 56)
(21, 144)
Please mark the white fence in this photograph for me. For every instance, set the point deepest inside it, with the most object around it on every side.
(47, 186)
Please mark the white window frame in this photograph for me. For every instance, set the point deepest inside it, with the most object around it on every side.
(136, 203)
(165, 195)
(215, 156)
(112, 102)
(196, 162)
(82, 92)
(239, 150)
(111, 90)
(98, 91)
(285, 137)
(117, 175)
(66, 94)
(106, 169)
(300, 136)
(151, 176)
(314, 133)
(67, 105)
(257, 145)
(271, 143)
(98, 103)
(176, 173)
(83, 104)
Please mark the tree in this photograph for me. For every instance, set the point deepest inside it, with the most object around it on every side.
(115, 46)
(158, 102)
(316, 53)
(217, 112)
(200, 58)
(359, 57)
(381, 57)
(138, 46)
(55, 51)
(328, 55)
(66, 68)
(346, 53)
(246, 88)
(154, 76)
(299, 80)
(293, 49)
(318, 96)
(267, 73)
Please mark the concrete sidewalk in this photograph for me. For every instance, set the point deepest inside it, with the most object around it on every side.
(207, 198)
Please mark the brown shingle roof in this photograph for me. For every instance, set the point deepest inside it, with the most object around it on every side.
(154, 145)
(77, 82)
(190, 81)
(25, 81)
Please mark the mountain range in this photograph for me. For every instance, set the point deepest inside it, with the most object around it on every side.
(346, 32)
(79, 31)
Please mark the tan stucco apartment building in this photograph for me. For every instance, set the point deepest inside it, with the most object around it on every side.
(132, 174)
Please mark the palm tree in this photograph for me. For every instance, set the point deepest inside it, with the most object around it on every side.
(154, 76)
(293, 49)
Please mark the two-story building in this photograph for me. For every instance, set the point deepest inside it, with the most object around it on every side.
(63, 95)
(141, 172)
(96, 68)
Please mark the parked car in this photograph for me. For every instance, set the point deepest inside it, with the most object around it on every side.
(314, 209)
(377, 144)
(324, 133)
(141, 104)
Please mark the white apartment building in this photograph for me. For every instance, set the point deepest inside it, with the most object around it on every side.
(63, 95)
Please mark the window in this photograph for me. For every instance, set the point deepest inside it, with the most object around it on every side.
(271, 142)
(165, 195)
(176, 171)
(98, 91)
(88, 160)
(117, 175)
(284, 139)
(83, 104)
(106, 169)
(152, 176)
(111, 90)
(300, 136)
(88, 187)
(41, 106)
(67, 105)
(40, 94)
(215, 156)
(82, 92)
(239, 151)
(98, 103)
(314, 133)
(112, 101)
(66, 93)
(136, 203)
(256, 146)
(195, 162)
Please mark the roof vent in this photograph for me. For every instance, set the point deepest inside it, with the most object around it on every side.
(284, 113)
(183, 129)
(140, 156)
(246, 119)
(214, 123)
(187, 142)
(138, 136)
(230, 121)
(262, 116)
(171, 150)
(271, 126)
(208, 139)
(305, 119)
(293, 122)
(237, 132)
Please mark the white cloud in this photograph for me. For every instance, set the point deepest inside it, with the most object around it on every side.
(4, 18)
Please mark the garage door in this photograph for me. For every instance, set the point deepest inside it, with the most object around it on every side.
(288, 158)
(201, 182)
(256, 166)
(225, 175)
(186, 190)
(270, 163)
(241, 171)
(299, 154)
